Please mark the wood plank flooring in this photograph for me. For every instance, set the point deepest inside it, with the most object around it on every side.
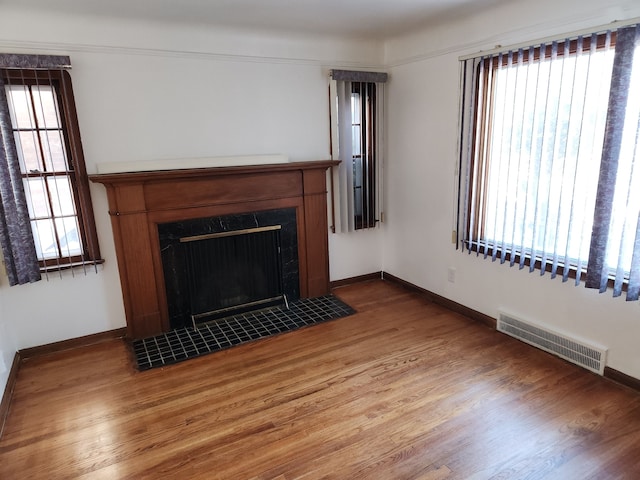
(404, 389)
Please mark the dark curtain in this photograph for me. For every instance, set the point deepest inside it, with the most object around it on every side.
(16, 237)
(598, 272)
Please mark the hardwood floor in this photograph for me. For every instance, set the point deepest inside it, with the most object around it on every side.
(404, 389)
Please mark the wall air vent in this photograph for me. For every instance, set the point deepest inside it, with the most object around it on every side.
(589, 356)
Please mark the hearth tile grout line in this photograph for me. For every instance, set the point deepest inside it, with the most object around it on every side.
(184, 343)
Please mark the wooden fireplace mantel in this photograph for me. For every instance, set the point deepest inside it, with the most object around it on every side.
(139, 201)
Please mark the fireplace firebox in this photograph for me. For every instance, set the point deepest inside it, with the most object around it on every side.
(220, 266)
(229, 272)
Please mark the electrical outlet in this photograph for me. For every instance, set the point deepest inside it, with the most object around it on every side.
(3, 366)
(451, 275)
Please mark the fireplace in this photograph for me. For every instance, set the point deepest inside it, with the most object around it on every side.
(219, 266)
(140, 203)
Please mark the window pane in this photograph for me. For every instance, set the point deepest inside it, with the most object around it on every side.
(68, 236)
(45, 106)
(19, 106)
(61, 195)
(28, 151)
(37, 201)
(357, 186)
(355, 108)
(54, 152)
(356, 140)
(44, 236)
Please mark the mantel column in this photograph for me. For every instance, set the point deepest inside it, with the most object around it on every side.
(135, 262)
(316, 228)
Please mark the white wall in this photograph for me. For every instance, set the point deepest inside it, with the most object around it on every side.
(423, 114)
(355, 253)
(158, 91)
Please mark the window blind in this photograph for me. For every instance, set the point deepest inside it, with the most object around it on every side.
(357, 122)
(548, 143)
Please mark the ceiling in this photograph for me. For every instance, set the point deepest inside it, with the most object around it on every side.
(352, 18)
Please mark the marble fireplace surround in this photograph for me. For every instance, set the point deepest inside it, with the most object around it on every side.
(140, 201)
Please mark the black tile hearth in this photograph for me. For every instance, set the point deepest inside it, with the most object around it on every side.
(187, 342)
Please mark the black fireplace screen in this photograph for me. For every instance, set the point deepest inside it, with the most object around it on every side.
(219, 286)
(233, 270)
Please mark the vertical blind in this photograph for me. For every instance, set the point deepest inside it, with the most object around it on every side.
(357, 193)
(549, 140)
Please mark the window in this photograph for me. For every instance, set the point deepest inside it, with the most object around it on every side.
(356, 104)
(363, 120)
(47, 141)
(550, 136)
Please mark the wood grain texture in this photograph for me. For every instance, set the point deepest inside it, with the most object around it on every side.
(404, 389)
(193, 192)
(445, 302)
(316, 228)
(139, 201)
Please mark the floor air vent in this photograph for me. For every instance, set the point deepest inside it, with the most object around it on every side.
(575, 351)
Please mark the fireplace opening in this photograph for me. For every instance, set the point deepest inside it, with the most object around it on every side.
(234, 271)
(220, 266)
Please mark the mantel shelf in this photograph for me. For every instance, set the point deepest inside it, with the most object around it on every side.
(142, 176)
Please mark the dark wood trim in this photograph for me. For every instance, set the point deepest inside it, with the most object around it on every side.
(358, 279)
(78, 342)
(445, 302)
(86, 216)
(622, 378)
(137, 177)
(8, 391)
